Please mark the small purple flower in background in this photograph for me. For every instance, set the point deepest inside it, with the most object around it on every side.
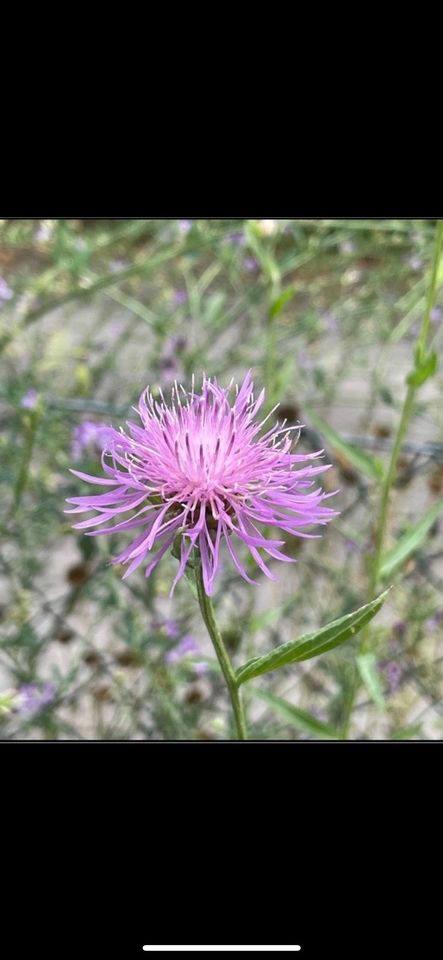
(200, 668)
(180, 296)
(5, 292)
(183, 649)
(33, 697)
(250, 265)
(172, 628)
(29, 400)
(436, 314)
(184, 226)
(198, 470)
(237, 239)
(88, 436)
(435, 621)
(393, 673)
(45, 231)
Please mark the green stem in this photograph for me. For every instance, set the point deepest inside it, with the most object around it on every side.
(383, 514)
(207, 611)
(424, 332)
(30, 432)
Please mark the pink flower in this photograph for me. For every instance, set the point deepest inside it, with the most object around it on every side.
(202, 470)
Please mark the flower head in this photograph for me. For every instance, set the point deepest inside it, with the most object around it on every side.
(180, 296)
(33, 697)
(203, 470)
(393, 673)
(250, 265)
(29, 399)
(186, 646)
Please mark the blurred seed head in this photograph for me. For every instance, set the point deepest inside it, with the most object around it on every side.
(102, 694)
(129, 658)
(197, 692)
(65, 635)
(78, 574)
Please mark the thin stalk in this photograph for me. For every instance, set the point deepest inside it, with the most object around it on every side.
(30, 432)
(383, 514)
(207, 611)
(270, 359)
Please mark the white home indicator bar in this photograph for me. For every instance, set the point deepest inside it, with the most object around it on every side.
(225, 948)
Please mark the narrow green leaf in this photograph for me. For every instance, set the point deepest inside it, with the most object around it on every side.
(312, 644)
(424, 369)
(265, 619)
(407, 733)
(262, 253)
(284, 375)
(213, 306)
(396, 226)
(279, 302)
(359, 458)
(367, 666)
(410, 541)
(300, 718)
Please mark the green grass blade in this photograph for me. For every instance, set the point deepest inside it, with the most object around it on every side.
(367, 667)
(410, 541)
(361, 460)
(407, 733)
(299, 718)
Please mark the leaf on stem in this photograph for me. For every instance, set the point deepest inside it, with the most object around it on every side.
(312, 644)
(279, 302)
(425, 367)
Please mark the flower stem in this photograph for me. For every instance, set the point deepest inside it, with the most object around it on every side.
(30, 431)
(383, 514)
(207, 611)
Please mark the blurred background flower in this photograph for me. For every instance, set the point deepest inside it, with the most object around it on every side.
(32, 697)
(5, 291)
